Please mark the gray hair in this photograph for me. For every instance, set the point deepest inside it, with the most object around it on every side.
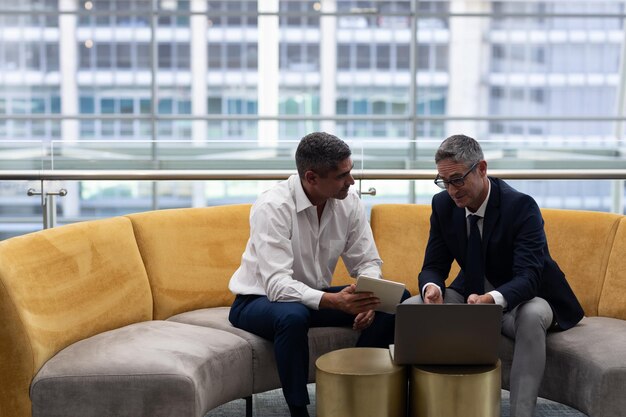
(320, 152)
(461, 149)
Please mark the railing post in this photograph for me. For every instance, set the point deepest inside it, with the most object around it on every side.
(370, 191)
(50, 212)
(48, 203)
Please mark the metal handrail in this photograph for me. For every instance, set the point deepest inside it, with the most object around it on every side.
(49, 205)
(279, 174)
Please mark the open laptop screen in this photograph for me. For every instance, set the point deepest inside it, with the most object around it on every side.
(447, 334)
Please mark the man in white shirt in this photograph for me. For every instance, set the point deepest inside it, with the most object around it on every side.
(298, 230)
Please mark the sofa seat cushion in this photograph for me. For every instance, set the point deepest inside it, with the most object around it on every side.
(153, 368)
(321, 340)
(585, 366)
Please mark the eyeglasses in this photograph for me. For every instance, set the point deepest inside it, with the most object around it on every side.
(457, 182)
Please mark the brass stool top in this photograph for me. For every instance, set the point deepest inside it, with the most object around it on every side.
(456, 369)
(357, 361)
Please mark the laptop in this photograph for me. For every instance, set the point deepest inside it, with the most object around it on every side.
(447, 334)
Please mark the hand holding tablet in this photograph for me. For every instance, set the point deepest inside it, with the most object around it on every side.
(389, 292)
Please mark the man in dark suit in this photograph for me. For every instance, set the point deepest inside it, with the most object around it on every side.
(496, 235)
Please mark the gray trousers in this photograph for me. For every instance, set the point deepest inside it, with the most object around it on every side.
(527, 324)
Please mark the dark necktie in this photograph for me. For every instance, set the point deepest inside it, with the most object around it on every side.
(474, 259)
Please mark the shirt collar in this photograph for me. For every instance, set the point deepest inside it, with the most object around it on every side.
(483, 207)
(302, 201)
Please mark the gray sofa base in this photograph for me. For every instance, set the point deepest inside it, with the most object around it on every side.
(584, 367)
(147, 369)
(196, 361)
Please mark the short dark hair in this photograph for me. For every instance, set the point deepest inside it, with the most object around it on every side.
(460, 148)
(320, 152)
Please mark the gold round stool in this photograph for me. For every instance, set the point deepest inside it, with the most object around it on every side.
(360, 382)
(451, 391)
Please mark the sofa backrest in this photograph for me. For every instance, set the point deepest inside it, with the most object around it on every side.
(401, 234)
(613, 295)
(190, 255)
(579, 241)
(59, 286)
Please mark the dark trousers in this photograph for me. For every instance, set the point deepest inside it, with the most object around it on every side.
(287, 325)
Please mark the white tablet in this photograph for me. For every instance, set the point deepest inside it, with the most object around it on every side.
(389, 292)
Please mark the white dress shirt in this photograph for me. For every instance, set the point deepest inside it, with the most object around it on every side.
(291, 256)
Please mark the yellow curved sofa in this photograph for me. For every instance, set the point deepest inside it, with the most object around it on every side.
(128, 316)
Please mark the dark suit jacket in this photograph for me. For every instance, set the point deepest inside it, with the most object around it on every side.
(515, 252)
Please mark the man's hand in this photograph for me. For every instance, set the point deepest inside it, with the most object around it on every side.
(349, 301)
(363, 320)
(480, 299)
(432, 295)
